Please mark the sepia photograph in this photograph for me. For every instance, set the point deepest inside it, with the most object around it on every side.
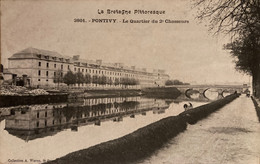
(130, 81)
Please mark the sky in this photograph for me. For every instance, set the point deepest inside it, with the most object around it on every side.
(187, 52)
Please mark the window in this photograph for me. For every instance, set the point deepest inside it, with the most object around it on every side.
(82, 70)
(54, 73)
(61, 74)
(61, 66)
(39, 79)
(86, 70)
(47, 65)
(45, 122)
(54, 65)
(53, 122)
(38, 114)
(37, 124)
(68, 66)
(45, 113)
(79, 69)
(39, 72)
(47, 80)
(47, 73)
(40, 64)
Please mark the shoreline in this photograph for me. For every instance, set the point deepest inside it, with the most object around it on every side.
(144, 141)
(78, 95)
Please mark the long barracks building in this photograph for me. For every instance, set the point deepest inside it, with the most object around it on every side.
(39, 68)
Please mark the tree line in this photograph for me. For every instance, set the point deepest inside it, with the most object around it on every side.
(175, 82)
(71, 78)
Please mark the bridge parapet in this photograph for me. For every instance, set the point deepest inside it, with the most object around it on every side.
(201, 89)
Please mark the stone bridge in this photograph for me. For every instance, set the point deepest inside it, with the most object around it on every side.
(187, 90)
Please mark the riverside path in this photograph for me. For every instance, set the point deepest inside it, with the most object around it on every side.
(228, 136)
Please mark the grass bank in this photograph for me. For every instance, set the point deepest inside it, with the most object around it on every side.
(196, 114)
(128, 148)
(144, 141)
(257, 108)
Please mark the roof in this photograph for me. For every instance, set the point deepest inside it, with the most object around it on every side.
(85, 61)
(32, 52)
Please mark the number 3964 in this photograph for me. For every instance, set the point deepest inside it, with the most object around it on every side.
(79, 20)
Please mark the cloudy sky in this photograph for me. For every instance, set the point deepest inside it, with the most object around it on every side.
(186, 51)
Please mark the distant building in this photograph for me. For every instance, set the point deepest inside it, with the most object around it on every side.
(41, 66)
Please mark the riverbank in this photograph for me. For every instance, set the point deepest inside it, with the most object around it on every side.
(196, 114)
(228, 136)
(14, 100)
(142, 142)
(75, 94)
(160, 93)
(15, 95)
(165, 93)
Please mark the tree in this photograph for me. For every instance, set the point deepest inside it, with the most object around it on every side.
(109, 81)
(169, 82)
(241, 20)
(175, 82)
(247, 53)
(58, 77)
(80, 78)
(87, 79)
(102, 80)
(69, 78)
(117, 82)
(125, 81)
(136, 82)
(230, 16)
(95, 79)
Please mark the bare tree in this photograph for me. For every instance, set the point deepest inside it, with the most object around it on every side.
(233, 17)
(240, 19)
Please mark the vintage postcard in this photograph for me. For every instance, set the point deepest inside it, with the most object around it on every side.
(119, 81)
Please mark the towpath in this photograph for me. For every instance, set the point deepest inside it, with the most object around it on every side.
(228, 136)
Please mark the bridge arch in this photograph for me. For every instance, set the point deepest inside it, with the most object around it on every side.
(204, 93)
(186, 92)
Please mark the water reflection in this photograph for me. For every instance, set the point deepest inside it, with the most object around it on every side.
(34, 121)
(49, 131)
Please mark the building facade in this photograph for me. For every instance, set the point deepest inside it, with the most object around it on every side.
(41, 68)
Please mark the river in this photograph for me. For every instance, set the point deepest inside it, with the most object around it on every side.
(48, 131)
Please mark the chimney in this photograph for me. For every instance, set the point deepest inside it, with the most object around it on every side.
(99, 61)
(76, 57)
